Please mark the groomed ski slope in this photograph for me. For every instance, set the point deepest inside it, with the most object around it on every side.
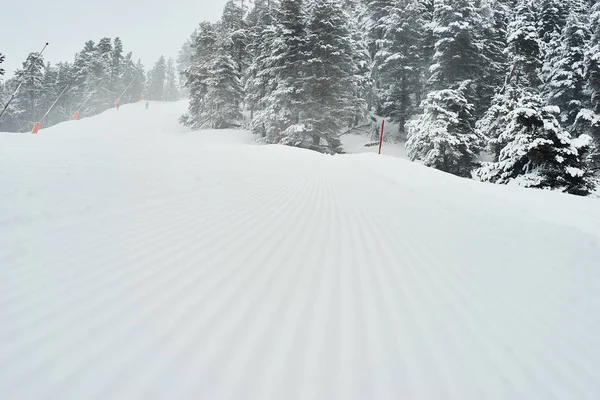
(142, 261)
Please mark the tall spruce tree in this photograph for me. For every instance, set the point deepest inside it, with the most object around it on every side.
(564, 71)
(258, 78)
(157, 79)
(329, 83)
(530, 146)
(444, 136)
(588, 120)
(279, 110)
(27, 106)
(213, 80)
(171, 91)
(399, 62)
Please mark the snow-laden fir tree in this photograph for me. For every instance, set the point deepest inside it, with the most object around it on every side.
(373, 18)
(399, 62)
(530, 146)
(588, 119)
(27, 107)
(564, 79)
(261, 36)
(539, 153)
(213, 80)
(221, 104)
(171, 91)
(458, 55)
(156, 80)
(552, 18)
(496, 17)
(234, 26)
(278, 115)
(203, 48)
(329, 83)
(444, 136)
(117, 84)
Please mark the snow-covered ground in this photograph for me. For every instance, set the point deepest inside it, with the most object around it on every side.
(142, 261)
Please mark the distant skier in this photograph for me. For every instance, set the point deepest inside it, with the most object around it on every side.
(147, 105)
(117, 104)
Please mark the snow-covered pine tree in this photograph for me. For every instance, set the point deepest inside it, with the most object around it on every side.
(279, 110)
(196, 76)
(457, 51)
(2, 58)
(329, 87)
(156, 80)
(525, 51)
(564, 79)
(552, 19)
(530, 146)
(26, 108)
(171, 91)
(538, 152)
(588, 119)
(399, 62)
(49, 93)
(67, 104)
(496, 17)
(117, 82)
(106, 94)
(213, 80)
(261, 35)
(221, 105)
(139, 84)
(444, 136)
(374, 15)
(233, 25)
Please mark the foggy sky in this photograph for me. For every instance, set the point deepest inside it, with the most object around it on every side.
(149, 28)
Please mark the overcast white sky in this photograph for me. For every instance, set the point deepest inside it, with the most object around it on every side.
(149, 28)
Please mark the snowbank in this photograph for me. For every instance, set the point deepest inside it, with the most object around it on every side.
(143, 261)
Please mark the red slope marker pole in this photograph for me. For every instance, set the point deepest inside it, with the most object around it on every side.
(36, 128)
(381, 137)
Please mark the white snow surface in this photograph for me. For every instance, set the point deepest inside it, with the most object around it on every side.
(142, 261)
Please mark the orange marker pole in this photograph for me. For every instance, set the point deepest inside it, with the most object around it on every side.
(36, 128)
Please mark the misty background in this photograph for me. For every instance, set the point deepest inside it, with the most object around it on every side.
(149, 30)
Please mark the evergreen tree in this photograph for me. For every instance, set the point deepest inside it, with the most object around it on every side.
(529, 145)
(117, 82)
(26, 107)
(2, 58)
(329, 84)
(399, 62)
(280, 108)
(171, 91)
(261, 33)
(538, 152)
(552, 19)
(234, 27)
(564, 71)
(494, 43)
(588, 119)
(214, 81)
(157, 79)
(139, 84)
(196, 76)
(443, 137)
(457, 51)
